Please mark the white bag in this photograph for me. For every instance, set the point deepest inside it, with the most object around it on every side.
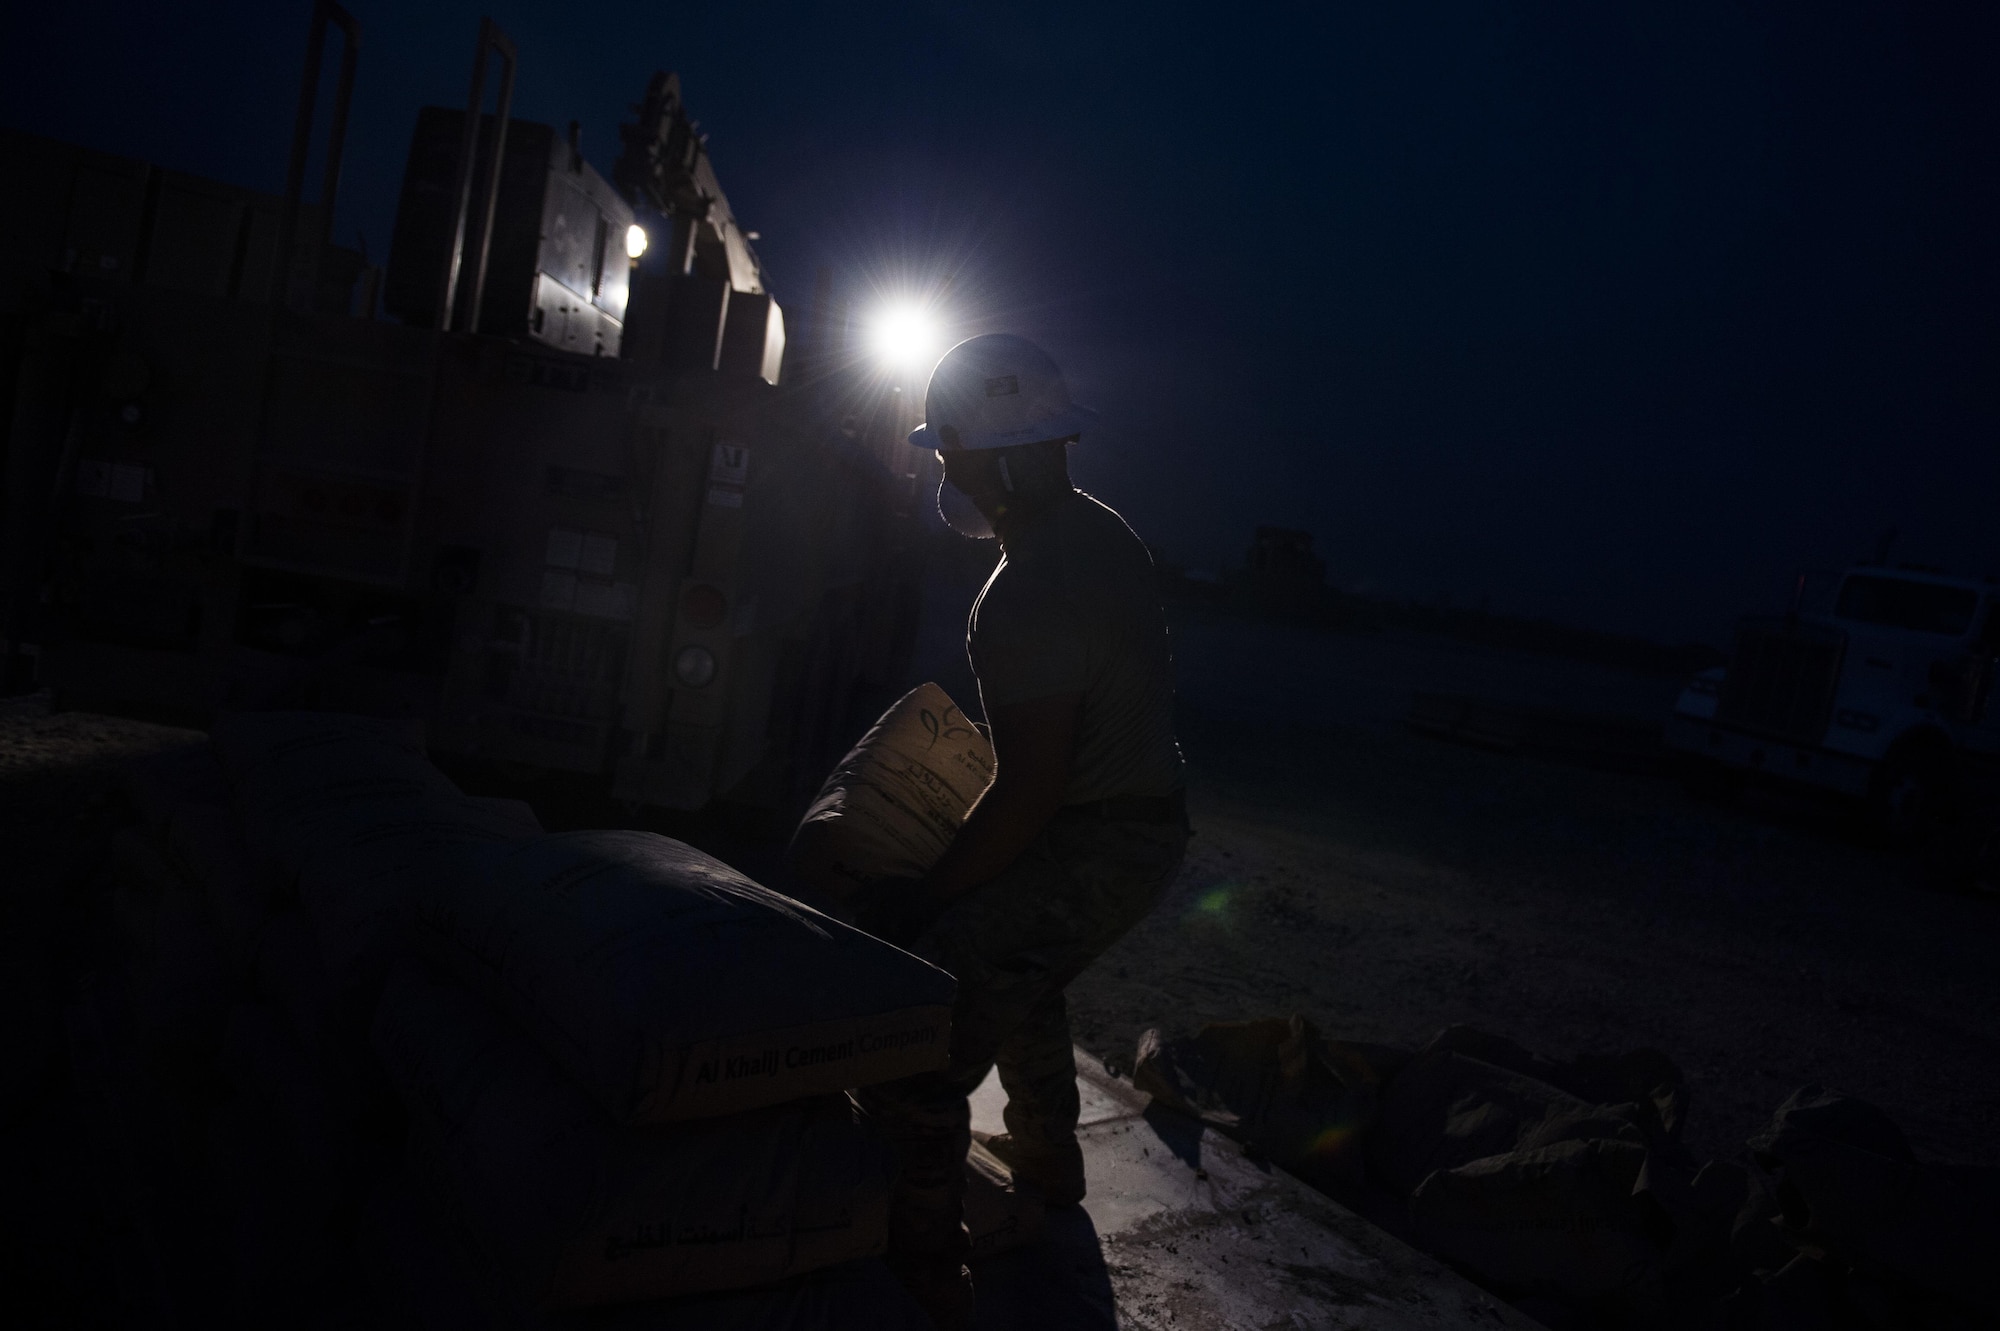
(330, 1022)
(669, 985)
(248, 743)
(320, 1153)
(182, 988)
(1001, 1213)
(159, 783)
(362, 897)
(311, 784)
(571, 1210)
(204, 843)
(424, 1277)
(898, 798)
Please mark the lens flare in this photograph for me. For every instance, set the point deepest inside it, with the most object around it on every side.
(1333, 1139)
(1215, 906)
(904, 336)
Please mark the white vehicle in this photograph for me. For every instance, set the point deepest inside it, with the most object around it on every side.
(1878, 690)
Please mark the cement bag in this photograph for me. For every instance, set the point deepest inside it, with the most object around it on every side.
(568, 1209)
(897, 799)
(306, 783)
(140, 877)
(250, 744)
(417, 1273)
(140, 880)
(383, 825)
(319, 1153)
(424, 1279)
(1001, 1214)
(329, 1022)
(845, 1298)
(134, 918)
(182, 991)
(274, 1244)
(672, 987)
(363, 900)
(1851, 1185)
(138, 860)
(205, 846)
(158, 784)
(1645, 1079)
(1446, 1110)
(1562, 1218)
(1275, 1084)
(289, 974)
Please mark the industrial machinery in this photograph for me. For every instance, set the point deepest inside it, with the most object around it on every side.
(576, 508)
(1878, 685)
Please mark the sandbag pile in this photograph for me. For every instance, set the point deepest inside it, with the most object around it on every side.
(383, 1020)
(1565, 1186)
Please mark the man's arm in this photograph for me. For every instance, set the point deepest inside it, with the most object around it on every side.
(1034, 745)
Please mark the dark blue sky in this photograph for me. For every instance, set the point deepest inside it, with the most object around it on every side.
(1617, 313)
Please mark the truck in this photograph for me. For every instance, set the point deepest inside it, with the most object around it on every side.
(555, 480)
(1876, 686)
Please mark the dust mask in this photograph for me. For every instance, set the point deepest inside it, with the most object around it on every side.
(961, 514)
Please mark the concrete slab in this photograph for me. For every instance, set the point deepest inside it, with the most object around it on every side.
(1181, 1230)
(1101, 1102)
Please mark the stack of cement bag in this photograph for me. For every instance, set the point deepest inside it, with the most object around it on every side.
(627, 1080)
(434, 1067)
(254, 935)
(1565, 1186)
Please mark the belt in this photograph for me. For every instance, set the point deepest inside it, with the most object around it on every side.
(1135, 808)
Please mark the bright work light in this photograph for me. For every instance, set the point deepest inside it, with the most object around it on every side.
(635, 241)
(904, 336)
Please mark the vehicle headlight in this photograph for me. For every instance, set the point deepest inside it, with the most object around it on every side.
(694, 667)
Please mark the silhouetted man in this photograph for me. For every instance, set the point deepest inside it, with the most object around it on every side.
(1084, 824)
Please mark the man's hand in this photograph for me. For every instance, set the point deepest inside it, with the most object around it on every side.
(1034, 747)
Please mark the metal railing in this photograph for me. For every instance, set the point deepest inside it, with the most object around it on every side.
(299, 276)
(493, 41)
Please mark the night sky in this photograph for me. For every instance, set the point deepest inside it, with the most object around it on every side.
(1616, 313)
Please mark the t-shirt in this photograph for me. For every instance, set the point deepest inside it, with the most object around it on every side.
(1075, 608)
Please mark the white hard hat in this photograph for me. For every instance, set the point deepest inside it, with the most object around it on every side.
(995, 391)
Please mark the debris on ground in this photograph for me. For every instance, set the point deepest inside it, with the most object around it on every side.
(1564, 1187)
(1276, 1085)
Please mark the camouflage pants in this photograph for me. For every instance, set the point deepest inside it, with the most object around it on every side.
(1013, 944)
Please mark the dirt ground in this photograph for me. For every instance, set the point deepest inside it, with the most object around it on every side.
(1387, 885)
